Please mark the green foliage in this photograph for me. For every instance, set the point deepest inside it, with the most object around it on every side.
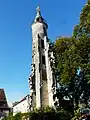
(47, 113)
(61, 49)
(72, 55)
(83, 28)
(77, 114)
(17, 116)
(10, 117)
(63, 114)
(69, 58)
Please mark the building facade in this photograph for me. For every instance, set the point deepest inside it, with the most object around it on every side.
(4, 108)
(41, 78)
(22, 106)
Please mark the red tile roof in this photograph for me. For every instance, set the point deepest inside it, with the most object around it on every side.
(3, 100)
(2, 95)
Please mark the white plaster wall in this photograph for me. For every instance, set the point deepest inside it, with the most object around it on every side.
(22, 107)
(6, 112)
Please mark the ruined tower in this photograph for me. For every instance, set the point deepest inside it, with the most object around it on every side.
(41, 78)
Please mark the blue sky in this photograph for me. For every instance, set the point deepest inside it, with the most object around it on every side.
(16, 17)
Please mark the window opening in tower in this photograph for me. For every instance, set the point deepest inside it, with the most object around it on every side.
(43, 60)
(45, 32)
(42, 44)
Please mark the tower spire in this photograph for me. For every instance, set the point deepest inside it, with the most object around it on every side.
(39, 17)
(38, 11)
(38, 14)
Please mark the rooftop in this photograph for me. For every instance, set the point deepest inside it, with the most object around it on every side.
(3, 100)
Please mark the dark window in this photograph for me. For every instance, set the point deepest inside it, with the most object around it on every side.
(42, 43)
(43, 60)
(37, 19)
(45, 32)
(44, 75)
(38, 48)
(40, 19)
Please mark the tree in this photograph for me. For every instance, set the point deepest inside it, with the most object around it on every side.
(18, 116)
(72, 63)
(71, 55)
(83, 28)
(61, 48)
(49, 114)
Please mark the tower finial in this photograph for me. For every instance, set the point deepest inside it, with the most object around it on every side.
(38, 17)
(38, 11)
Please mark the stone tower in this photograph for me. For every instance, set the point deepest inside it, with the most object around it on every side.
(41, 78)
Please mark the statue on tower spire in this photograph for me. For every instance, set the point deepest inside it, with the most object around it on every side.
(38, 11)
(39, 18)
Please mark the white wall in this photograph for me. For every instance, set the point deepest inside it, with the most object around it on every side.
(22, 107)
(6, 112)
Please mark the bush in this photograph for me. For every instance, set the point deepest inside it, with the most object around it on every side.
(49, 114)
(46, 113)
